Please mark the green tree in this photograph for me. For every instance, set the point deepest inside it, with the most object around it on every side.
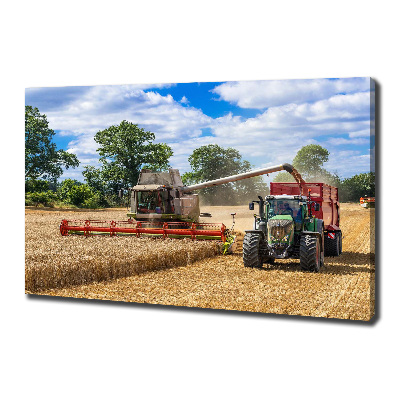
(79, 194)
(327, 177)
(42, 159)
(283, 176)
(36, 185)
(95, 179)
(46, 198)
(124, 150)
(213, 162)
(65, 188)
(309, 160)
(248, 189)
(351, 189)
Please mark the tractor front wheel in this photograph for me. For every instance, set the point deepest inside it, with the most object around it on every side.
(251, 250)
(311, 257)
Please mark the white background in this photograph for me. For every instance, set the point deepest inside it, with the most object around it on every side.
(69, 349)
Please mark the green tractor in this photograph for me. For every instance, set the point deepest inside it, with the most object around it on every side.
(285, 227)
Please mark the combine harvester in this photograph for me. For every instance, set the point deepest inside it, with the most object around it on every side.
(162, 206)
(367, 202)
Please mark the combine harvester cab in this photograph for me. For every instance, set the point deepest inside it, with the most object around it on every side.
(297, 220)
(160, 197)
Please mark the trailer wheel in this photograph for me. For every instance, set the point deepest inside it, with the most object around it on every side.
(311, 257)
(333, 246)
(251, 250)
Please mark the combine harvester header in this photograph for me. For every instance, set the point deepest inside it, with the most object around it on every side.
(138, 228)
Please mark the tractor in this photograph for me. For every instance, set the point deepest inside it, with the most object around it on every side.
(290, 224)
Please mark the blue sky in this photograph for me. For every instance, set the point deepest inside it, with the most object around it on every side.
(267, 121)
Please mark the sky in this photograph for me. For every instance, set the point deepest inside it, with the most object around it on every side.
(267, 121)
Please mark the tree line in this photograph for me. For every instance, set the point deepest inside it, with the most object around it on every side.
(126, 148)
(309, 161)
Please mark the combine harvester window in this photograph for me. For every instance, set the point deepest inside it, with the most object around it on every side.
(150, 202)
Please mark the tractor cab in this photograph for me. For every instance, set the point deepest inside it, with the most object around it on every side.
(275, 206)
(285, 206)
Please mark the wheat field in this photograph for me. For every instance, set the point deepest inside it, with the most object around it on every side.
(186, 273)
(55, 261)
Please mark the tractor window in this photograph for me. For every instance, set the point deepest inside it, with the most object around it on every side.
(285, 207)
(149, 202)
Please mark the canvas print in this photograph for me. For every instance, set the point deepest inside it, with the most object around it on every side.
(255, 196)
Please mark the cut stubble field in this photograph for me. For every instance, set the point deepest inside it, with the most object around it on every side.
(192, 274)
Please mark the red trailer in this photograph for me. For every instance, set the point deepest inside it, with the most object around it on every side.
(329, 209)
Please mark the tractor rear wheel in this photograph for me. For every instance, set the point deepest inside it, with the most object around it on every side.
(311, 257)
(252, 257)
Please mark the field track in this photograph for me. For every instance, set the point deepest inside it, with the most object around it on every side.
(344, 288)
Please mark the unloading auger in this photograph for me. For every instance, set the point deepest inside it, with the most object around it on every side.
(161, 206)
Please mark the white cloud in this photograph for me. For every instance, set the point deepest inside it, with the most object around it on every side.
(102, 106)
(276, 135)
(340, 141)
(265, 94)
(262, 152)
(83, 145)
(362, 133)
(271, 137)
(348, 162)
(146, 86)
(337, 115)
(184, 100)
